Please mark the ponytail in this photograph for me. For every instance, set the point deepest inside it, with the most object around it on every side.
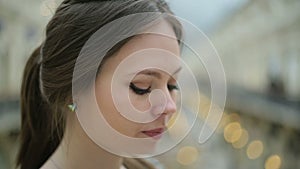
(36, 142)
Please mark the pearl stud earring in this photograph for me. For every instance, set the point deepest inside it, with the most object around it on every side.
(72, 107)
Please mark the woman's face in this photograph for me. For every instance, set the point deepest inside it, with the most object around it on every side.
(140, 85)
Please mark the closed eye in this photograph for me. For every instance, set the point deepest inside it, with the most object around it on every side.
(172, 87)
(138, 90)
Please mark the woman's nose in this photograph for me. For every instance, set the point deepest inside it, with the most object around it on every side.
(163, 103)
(170, 107)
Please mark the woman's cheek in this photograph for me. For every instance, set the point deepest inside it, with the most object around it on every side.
(140, 102)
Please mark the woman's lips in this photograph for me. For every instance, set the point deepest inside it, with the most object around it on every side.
(155, 133)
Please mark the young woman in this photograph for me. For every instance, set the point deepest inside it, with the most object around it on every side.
(52, 136)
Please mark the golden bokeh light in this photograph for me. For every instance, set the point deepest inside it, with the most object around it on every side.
(187, 155)
(242, 141)
(273, 162)
(232, 132)
(255, 149)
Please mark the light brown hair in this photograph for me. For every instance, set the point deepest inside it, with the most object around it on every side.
(47, 79)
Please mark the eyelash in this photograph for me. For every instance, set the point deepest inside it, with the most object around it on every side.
(140, 91)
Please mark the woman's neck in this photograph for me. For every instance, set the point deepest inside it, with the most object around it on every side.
(78, 151)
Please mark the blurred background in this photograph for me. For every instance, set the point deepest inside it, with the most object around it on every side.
(259, 44)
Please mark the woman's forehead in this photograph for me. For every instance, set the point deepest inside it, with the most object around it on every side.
(142, 48)
(161, 37)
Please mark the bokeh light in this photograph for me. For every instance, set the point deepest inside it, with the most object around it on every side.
(273, 162)
(255, 149)
(232, 132)
(242, 141)
(187, 155)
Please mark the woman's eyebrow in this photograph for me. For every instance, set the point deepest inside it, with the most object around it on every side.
(151, 73)
(156, 74)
